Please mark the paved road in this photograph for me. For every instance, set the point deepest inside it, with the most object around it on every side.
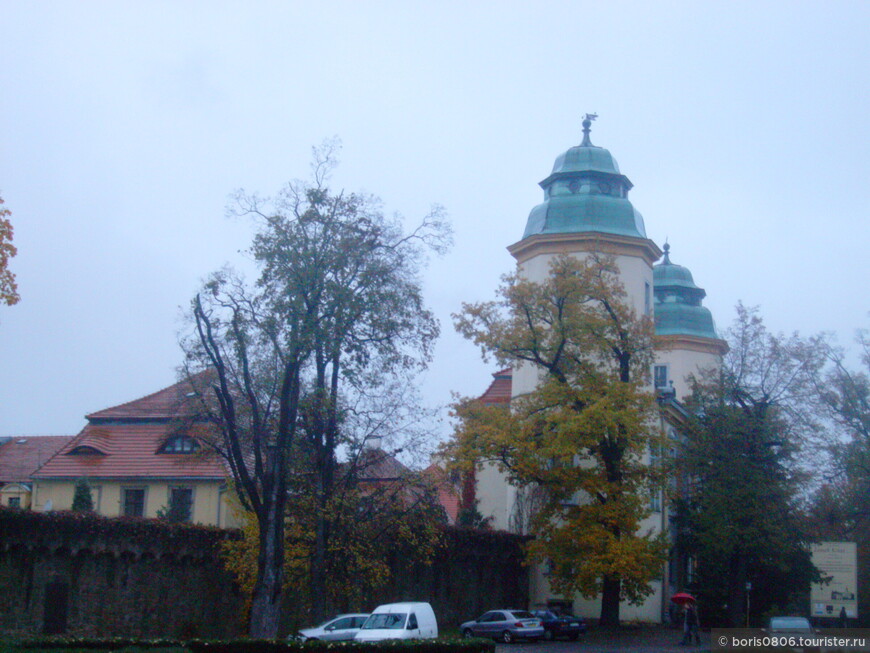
(653, 640)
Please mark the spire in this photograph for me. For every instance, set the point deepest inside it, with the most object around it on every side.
(667, 249)
(587, 123)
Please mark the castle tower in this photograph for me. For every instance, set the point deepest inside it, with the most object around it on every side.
(586, 209)
(686, 341)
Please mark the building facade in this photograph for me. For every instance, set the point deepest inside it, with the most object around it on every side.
(19, 458)
(140, 461)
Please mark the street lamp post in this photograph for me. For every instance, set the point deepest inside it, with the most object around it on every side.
(748, 592)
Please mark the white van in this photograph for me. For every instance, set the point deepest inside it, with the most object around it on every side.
(399, 621)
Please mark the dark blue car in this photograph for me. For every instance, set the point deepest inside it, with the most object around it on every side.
(560, 625)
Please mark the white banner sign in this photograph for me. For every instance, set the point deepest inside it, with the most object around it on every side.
(837, 561)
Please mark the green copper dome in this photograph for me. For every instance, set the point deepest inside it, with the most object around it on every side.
(669, 274)
(678, 309)
(585, 158)
(586, 192)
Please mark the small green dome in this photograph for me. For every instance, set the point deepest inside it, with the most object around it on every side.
(669, 274)
(678, 309)
(586, 192)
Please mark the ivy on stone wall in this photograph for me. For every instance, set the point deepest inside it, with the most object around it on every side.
(81, 531)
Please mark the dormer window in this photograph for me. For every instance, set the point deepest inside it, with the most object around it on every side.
(180, 444)
(85, 450)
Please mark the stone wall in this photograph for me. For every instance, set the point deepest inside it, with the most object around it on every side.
(91, 576)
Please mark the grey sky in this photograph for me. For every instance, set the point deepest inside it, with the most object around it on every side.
(125, 126)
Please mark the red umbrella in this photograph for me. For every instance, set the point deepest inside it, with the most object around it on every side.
(681, 598)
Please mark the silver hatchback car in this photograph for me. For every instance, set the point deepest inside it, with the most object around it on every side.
(504, 625)
(340, 628)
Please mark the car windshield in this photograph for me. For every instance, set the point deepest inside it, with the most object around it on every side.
(522, 614)
(790, 623)
(389, 621)
(326, 623)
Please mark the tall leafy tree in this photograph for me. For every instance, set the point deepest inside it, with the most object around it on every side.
(308, 360)
(8, 287)
(578, 442)
(741, 513)
(841, 507)
(845, 392)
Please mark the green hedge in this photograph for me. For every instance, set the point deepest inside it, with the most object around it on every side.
(71, 644)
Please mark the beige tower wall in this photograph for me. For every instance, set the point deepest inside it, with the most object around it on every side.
(686, 356)
(495, 496)
(634, 259)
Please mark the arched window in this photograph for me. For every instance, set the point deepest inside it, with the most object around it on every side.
(180, 444)
(85, 450)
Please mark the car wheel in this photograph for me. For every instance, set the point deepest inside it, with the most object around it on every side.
(507, 637)
(467, 634)
(548, 635)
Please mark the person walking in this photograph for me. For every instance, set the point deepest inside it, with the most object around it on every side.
(690, 625)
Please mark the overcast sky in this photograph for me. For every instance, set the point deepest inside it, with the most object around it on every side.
(124, 127)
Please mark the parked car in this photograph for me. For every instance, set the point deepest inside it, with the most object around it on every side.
(560, 624)
(504, 625)
(342, 627)
(399, 621)
(789, 626)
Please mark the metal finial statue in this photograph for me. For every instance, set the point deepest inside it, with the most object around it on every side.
(667, 249)
(587, 123)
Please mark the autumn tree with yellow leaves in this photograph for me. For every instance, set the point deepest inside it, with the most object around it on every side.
(582, 438)
(372, 526)
(8, 287)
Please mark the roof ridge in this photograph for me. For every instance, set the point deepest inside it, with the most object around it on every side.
(127, 404)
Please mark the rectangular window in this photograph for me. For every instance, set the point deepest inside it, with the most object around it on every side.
(646, 298)
(14, 502)
(655, 454)
(181, 503)
(660, 374)
(97, 497)
(655, 501)
(134, 502)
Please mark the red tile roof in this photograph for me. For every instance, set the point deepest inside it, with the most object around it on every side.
(130, 450)
(164, 404)
(129, 438)
(21, 456)
(376, 465)
(499, 391)
(447, 494)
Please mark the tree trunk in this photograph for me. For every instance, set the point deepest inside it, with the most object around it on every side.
(610, 591)
(737, 590)
(266, 601)
(318, 572)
